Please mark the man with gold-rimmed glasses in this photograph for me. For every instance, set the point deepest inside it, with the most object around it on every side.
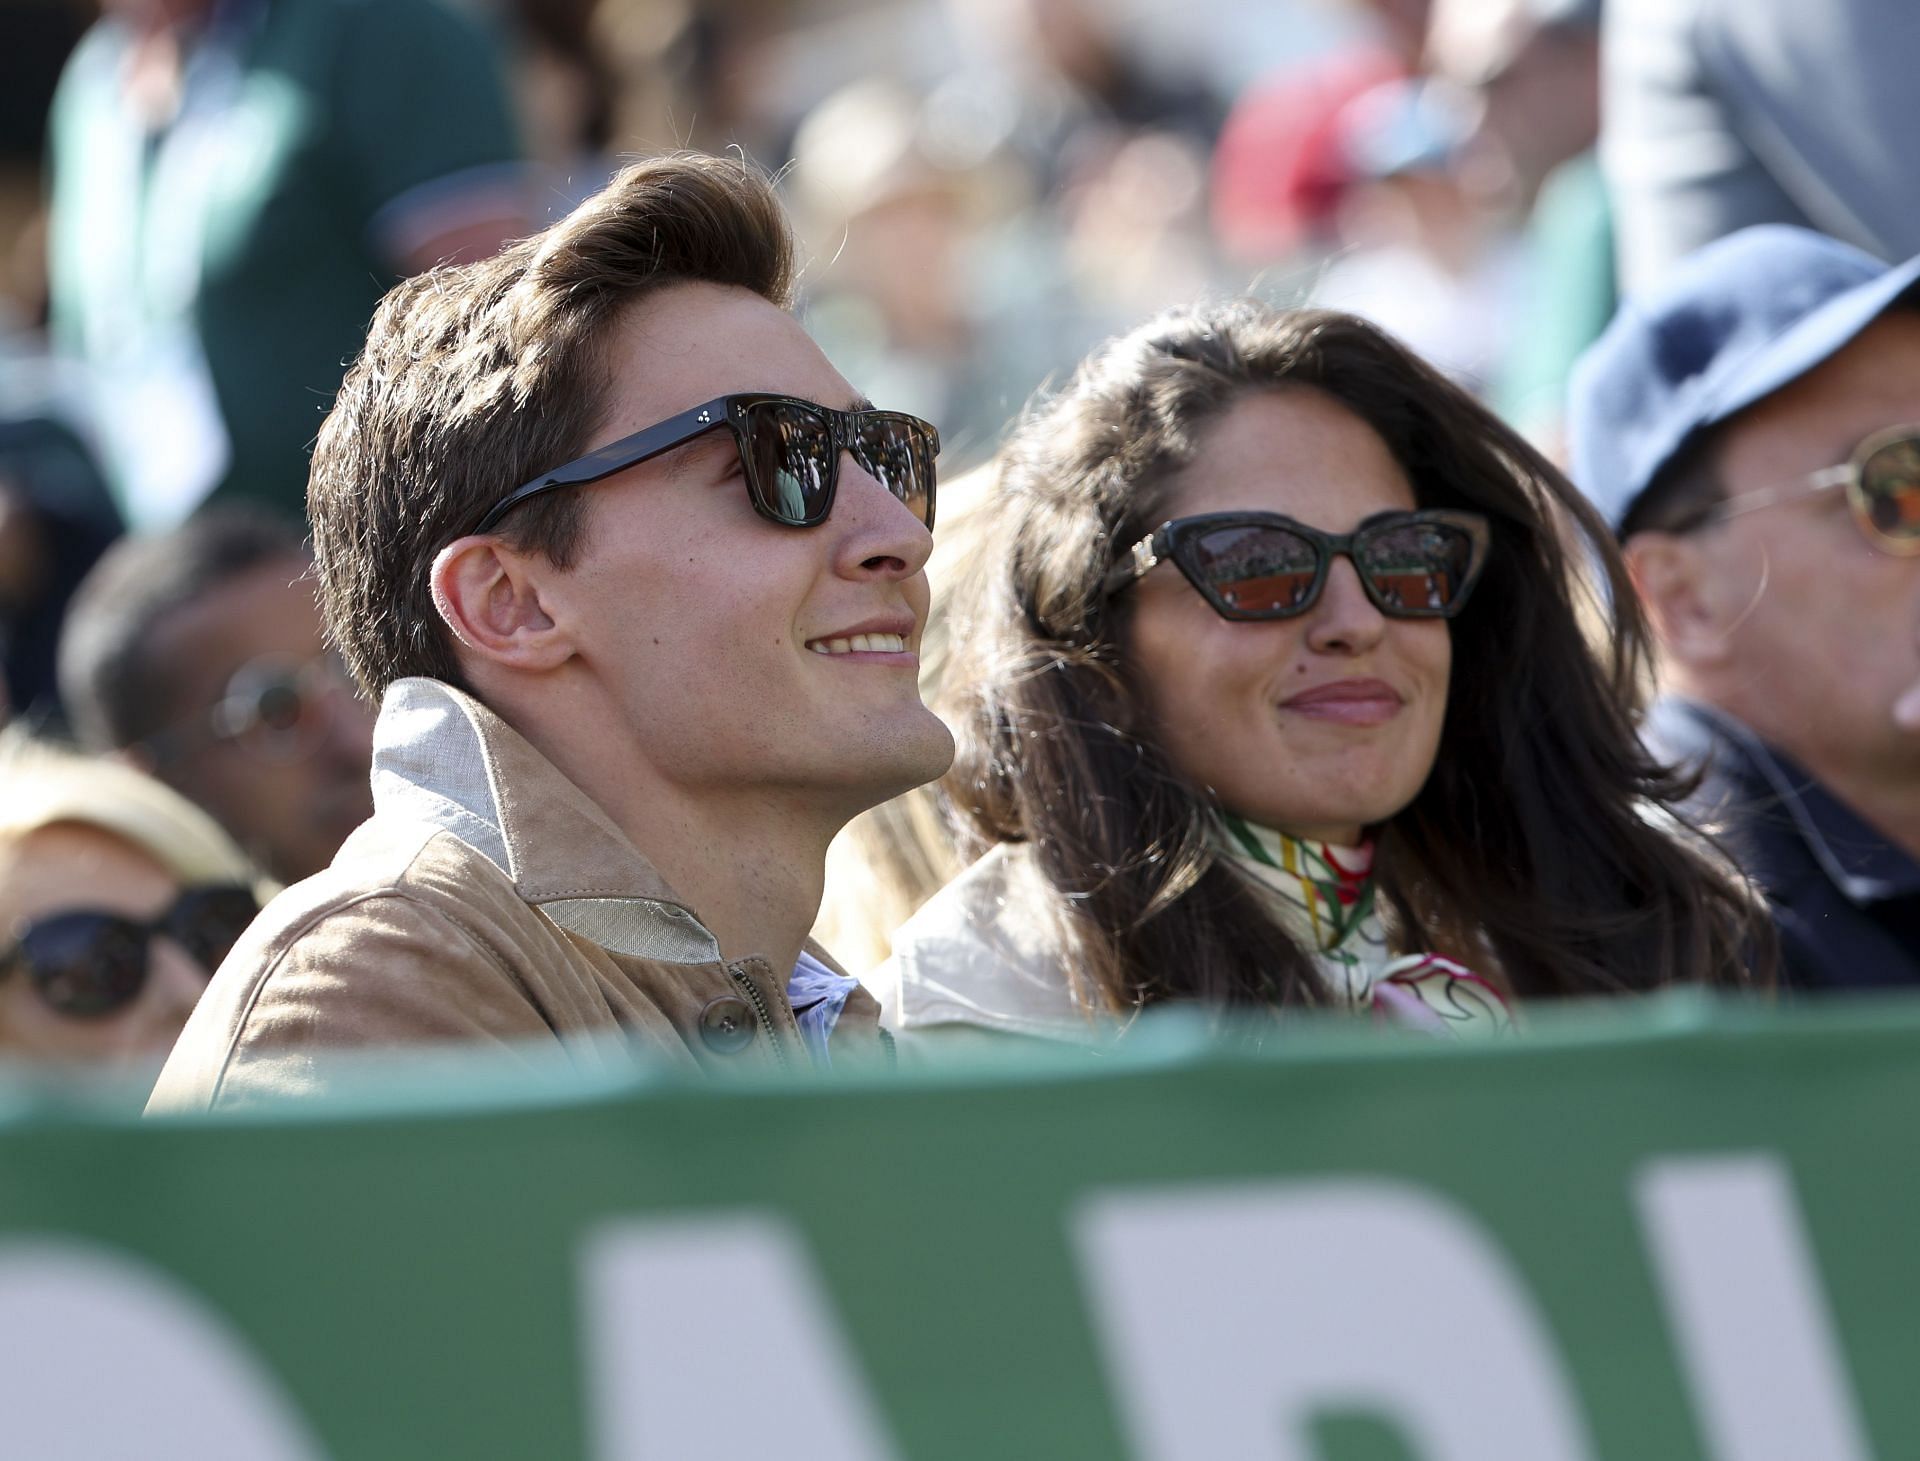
(1751, 427)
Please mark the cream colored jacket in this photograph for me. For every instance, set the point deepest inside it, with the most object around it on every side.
(982, 955)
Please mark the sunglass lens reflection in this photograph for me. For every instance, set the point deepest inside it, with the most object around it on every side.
(896, 453)
(1256, 569)
(790, 459)
(1416, 568)
(1890, 488)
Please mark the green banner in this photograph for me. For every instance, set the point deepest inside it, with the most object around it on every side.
(1674, 1231)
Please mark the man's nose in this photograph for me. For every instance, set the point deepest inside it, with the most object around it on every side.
(881, 532)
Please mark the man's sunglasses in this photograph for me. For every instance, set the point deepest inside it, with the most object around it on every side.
(87, 962)
(1882, 482)
(789, 449)
(1260, 565)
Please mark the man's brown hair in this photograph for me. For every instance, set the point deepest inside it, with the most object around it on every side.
(477, 378)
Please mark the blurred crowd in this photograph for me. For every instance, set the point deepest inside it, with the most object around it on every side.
(203, 201)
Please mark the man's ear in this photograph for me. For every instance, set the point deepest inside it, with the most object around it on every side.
(1678, 586)
(489, 596)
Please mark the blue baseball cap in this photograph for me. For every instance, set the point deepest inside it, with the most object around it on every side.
(1729, 325)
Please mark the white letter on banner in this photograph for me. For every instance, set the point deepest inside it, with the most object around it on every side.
(106, 1356)
(1744, 1302)
(709, 1337)
(1233, 1316)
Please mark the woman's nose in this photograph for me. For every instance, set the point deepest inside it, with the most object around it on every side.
(1346, 620)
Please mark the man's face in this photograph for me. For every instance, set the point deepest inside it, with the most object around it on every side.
(289, 785)
(722, 638)
(1825, 629)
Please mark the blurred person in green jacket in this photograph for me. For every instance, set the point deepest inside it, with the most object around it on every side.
(234, 185)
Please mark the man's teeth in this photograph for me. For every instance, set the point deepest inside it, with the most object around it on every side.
(860, 644)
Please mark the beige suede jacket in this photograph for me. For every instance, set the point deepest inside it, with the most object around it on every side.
(488, 902)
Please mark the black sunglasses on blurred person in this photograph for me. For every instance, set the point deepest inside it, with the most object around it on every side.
(275, 708)
(89, 962)
(789, 453)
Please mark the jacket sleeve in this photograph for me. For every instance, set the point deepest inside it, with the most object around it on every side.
(313, 1009)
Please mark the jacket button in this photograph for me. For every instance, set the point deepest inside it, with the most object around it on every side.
(726, 1025)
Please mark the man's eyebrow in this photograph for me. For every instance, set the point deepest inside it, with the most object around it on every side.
(861, 403)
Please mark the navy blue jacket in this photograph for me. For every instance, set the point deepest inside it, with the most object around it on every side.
(1845, 900)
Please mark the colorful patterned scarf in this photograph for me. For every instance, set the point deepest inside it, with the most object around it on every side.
(1325, 897)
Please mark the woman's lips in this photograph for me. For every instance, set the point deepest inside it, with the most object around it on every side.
(1347, 702)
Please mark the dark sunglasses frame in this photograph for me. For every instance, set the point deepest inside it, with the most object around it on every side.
(734, 413)
(1178, 539)
(1850, 474)
(60, 983)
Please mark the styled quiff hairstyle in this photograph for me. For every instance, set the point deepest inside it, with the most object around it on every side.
(1543, 849)
(479, 377)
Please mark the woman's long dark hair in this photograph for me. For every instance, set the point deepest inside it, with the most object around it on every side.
(1544, 848)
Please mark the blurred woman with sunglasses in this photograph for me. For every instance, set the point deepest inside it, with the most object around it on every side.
(1280, 697)
(118, 899)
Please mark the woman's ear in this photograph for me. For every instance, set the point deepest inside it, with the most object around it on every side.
(1678, 587)
(489, 596)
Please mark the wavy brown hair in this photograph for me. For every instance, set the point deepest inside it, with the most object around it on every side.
(477, 377)
(1544, 849)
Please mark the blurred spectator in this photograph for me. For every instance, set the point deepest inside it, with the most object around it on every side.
(56, 515)
(1747, 427)
(923, 289)
(566, 96)
(55, 521)
(235, 183)
(35, 38)
(1534, 68)
(1280, 172)
(1077, 86)
(117, 901)
(705, 74)
(197, 654)
(1423, 257)
(1726, 113)
(1402, 26)
(1115, 136)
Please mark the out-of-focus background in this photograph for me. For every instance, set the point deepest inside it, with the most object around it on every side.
(984, 189)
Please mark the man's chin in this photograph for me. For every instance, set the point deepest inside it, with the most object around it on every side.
(919, 753)
(926, 755)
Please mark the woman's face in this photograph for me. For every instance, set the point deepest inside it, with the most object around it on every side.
(71, 865)
(1319, 725)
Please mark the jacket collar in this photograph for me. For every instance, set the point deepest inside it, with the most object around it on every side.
(1743, 770)
(440, 756)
